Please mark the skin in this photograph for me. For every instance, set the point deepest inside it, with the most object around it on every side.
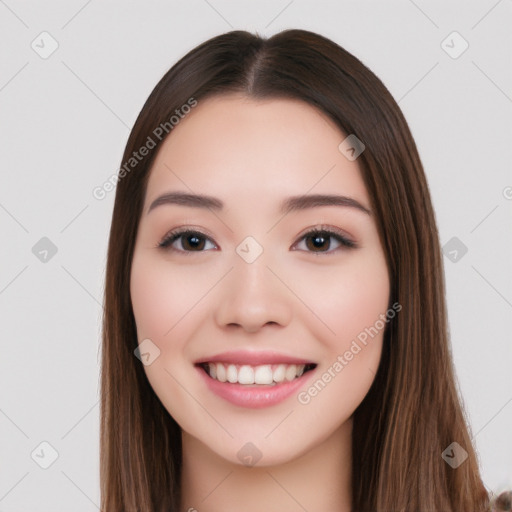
(306, 302)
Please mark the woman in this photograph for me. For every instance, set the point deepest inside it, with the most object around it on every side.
(275, 331)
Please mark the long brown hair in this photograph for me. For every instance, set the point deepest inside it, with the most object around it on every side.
(413, 411)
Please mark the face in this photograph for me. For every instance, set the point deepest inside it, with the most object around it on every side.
(265, 322)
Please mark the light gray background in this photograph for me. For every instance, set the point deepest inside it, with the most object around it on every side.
(64, 122)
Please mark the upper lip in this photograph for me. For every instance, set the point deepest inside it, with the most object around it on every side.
(252, 358)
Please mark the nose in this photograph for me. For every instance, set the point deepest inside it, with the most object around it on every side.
(252, 296)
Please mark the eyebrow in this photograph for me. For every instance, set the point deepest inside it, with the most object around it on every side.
(294, 203)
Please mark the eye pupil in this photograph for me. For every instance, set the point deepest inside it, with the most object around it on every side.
(319, 240)
(196, 244)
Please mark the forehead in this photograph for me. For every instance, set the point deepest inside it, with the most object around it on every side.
(238, 147)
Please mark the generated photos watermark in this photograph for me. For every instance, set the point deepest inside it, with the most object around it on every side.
(158, 134)
(305, 397)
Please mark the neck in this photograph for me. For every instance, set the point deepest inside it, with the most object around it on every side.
(317, 480)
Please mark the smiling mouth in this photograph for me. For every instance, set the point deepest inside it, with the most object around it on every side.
(250, 375)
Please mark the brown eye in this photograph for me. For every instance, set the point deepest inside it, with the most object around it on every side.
(191, 241)
(320, 241)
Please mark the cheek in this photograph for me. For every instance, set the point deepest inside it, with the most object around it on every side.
(171, 304)
(166, 307)
(346, 299)
(349, 299)
(164, 296)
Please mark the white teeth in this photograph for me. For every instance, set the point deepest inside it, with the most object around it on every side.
(263, 374)
(232, 374)
(291, 372)
(246, 375)
(279, 373)
(221, 372)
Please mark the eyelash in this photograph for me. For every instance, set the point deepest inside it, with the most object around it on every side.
(171, 237)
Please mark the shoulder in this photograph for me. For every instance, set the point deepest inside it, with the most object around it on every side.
(502, 502)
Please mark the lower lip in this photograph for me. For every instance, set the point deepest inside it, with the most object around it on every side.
(254, 396)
